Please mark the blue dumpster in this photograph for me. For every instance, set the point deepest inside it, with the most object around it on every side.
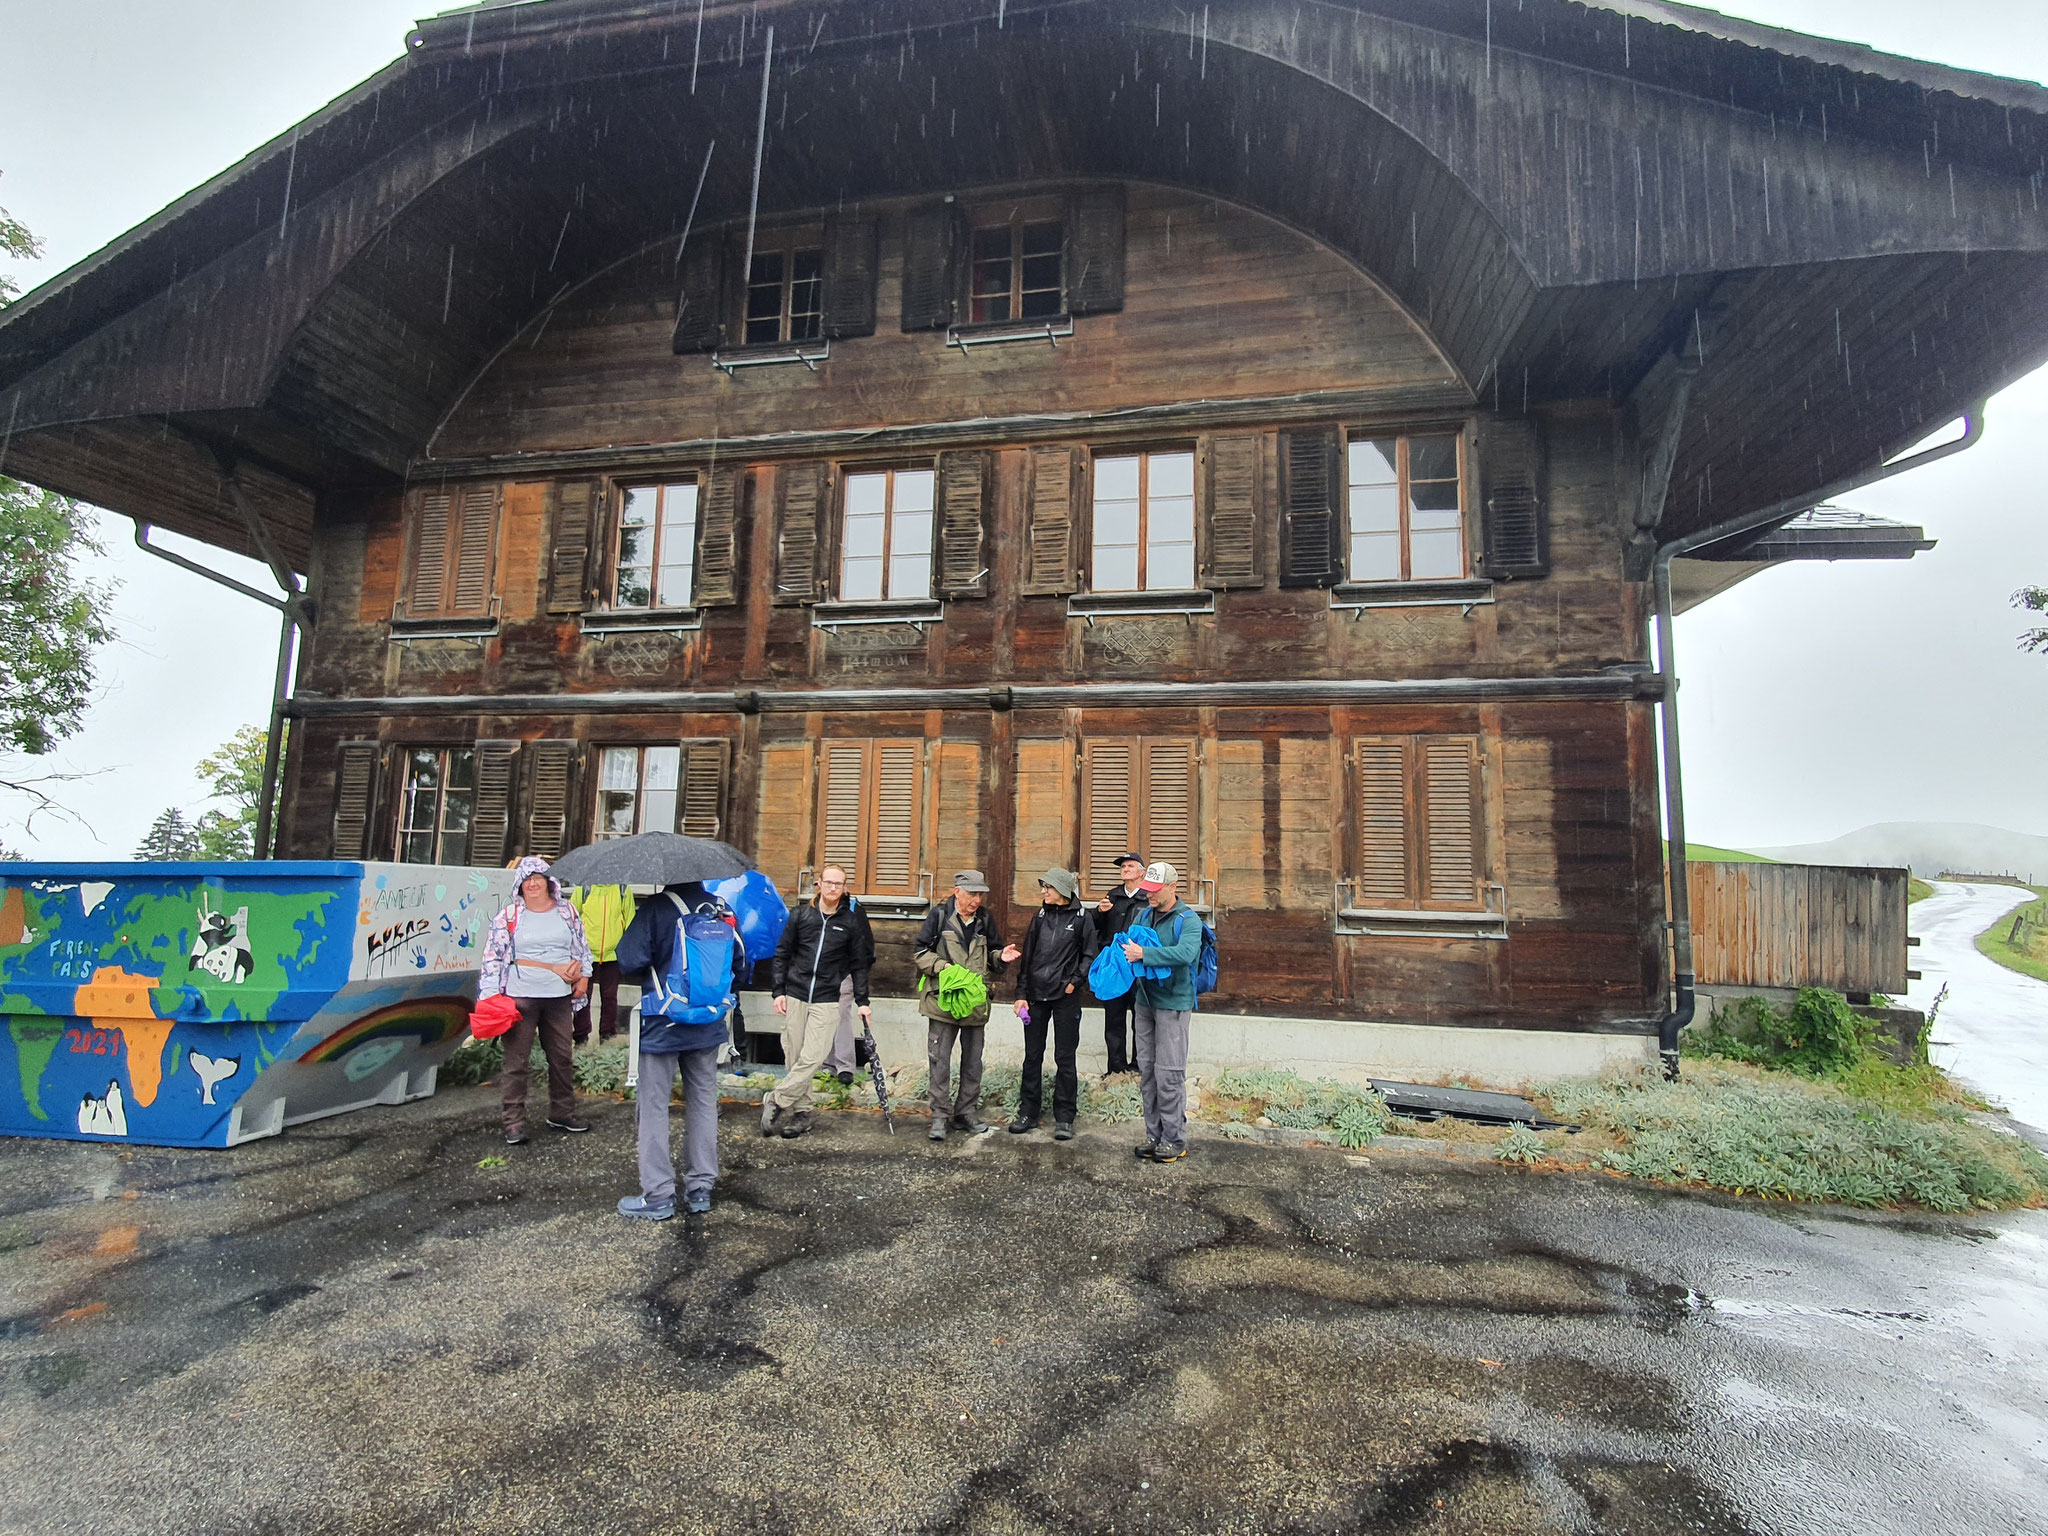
(201, 1005)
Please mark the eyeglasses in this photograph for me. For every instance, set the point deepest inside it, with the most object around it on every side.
(831, 882)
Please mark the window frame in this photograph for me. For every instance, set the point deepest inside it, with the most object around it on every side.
(1403, 437)
(640, 791)
(1416, 829)
(623, 490)
(846, 474)
(402, 829)
(1016, 217)
(1144, 455)
(789, 244)
(860, 863)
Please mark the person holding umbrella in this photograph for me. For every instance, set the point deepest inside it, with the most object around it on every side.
(537, 955)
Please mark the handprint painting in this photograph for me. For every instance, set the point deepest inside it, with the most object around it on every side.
(209, 1004)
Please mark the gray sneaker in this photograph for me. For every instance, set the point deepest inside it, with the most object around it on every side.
(640, 1208)
(771, 1112)
(938, 1130)
(697, 1205)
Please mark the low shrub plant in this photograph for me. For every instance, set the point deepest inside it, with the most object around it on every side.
(1352, 1114)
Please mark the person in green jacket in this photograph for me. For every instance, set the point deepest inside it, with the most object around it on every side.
(606, 911)
(958, 931)
(1161, 1012)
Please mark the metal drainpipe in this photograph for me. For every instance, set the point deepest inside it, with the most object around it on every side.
(293, 620)
(1682, 1003)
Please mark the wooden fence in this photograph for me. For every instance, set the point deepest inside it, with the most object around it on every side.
(1799, 925)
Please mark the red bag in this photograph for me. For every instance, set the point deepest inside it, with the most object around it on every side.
(493, 1017)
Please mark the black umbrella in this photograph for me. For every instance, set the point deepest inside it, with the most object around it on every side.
(651, 858)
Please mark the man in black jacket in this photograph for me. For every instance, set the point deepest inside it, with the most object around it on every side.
(822, 946)
(1114, 914)
(1058, 947)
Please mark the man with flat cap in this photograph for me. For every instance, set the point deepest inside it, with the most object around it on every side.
(1124, 905)
(1058, 948)
(959, 931)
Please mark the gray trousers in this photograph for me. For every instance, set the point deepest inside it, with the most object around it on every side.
(1163, 1070)
(939, 1039)
(700, 1123)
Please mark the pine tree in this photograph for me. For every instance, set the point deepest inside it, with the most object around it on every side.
(170, 839)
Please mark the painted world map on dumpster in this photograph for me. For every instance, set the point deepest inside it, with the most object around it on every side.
(145, 1006)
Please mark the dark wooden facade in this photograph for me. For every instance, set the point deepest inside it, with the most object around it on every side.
(483, 307)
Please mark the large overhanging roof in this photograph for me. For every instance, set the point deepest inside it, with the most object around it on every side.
(1567, 195)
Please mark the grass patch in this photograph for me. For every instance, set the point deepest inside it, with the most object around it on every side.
(478, 1061)
(1917, 889)
(1002, 1089)
(2019, 940)
(1348, 1113)
(1707, 853)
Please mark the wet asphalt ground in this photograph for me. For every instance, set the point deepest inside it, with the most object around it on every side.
(355, 1328)
(1992, 1027)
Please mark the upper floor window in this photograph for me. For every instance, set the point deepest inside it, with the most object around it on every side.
(1406, 508)
(636, 790)
(786, 293)
(886, 535)
(1144, 522)
(656, 558)
(1015, 270)
(435, 808)
(452, 534)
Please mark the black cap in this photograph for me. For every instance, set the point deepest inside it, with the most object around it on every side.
(1131, 858)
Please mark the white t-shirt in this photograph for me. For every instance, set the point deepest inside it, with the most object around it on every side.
(540, 936)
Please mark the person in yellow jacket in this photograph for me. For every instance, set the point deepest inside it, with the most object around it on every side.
(605, 910)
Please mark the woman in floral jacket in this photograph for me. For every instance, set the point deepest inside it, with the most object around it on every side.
(538, 956)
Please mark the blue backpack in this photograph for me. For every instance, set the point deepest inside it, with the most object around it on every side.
(1205, 962)
(696, 987)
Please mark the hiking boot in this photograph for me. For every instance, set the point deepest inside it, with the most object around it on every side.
(573, 1127)
(938, 1130)
(1170, 1152)
(640, 1208)
(969, 1125)
(796, 1125)
(770, 1113)
(697, 1205)
(1144, 1154)
(846, 1079)
(515, 1138)
(1063, 1131)
(1022, 1124)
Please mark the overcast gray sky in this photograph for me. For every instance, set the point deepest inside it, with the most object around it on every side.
(1817, 698)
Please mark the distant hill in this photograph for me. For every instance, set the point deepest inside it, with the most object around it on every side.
(1928, 848)
(1707, 853)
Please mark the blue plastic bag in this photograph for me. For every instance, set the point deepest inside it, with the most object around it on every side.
(1144, 936)
(1110, 975)
(762, 912)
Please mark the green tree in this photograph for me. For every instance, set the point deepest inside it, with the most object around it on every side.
(170, 838)
(2034, 600)
(234, 772)
(15, 241)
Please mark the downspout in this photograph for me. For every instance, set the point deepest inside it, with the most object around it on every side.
(1682, 978)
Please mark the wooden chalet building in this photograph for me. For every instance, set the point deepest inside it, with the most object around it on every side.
(995, 433)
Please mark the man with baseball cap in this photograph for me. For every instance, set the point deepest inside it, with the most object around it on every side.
(958, 931)
(1123, 906)
(1161, 1011)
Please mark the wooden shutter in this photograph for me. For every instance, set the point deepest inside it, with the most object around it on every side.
(700, 312)
(1095, 251)
(550, 785)
(1234, 533)
(718, 536)
(490, 822)
(572, 522)
(474, 540)
(1514, 516)
(702, 794)
(893, 861)
(850, 269)
(931, 242)
(355, 793)
(782, 818)
(963, 504)
(842, 809)
(1384, 862)
(801, 489)
(428, 576)
(1169, 806)
(1109, 794)
(1044, 820)
(1311, 542)
(1450, 818)
(1049, 565)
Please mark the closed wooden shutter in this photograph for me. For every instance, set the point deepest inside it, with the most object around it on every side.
(703, 788)
(473, 543)
(718, 537)
(428, 576)
(1450, 814)
(1515, 520)
(1049, 564)
(898, 773)
(550, 785)
(931, 243)
(963, 492)
(490, 820)
(1311, 537)
(355, 792)
(850, 270)
(802, 494)
(1095, 251)
(571, 525)
(957, 845)
(1384, 860)
(1045, 816)
(1109, 794)
(1234, 533)
(1169, 806)
(700, 312)
(842, 809)
(782, 818)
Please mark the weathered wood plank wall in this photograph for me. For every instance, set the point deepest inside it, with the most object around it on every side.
(1799, 925)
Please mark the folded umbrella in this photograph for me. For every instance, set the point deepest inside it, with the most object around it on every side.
(651, 858)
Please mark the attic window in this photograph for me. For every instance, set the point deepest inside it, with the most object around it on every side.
(786, 296)
(1016, 272)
